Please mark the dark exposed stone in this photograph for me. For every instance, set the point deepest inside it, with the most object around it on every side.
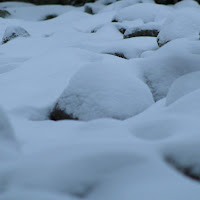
(122, 30)
(4, 13)
(114, 20)
(160, 44)
(118, 54)
(50, 17)
(142, 32)
(88, 10)
(58, 114)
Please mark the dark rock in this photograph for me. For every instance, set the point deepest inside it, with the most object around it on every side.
(118, 54)
(88, 10)
(114, 20)
(14, 32)
(142, 32)
(4, 13)
(93, 31)
(58, 114)
(122, 30)
(50, 17)
(161, 43)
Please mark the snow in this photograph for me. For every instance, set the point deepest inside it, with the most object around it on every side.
(126, 146)
(182, 86)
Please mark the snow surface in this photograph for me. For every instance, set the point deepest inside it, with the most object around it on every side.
(105, 158)
(182, 86)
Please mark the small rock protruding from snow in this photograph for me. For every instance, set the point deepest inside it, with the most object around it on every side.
(182, 86)
(12, 32)
(4, 13)
(51, 16)
(103, 91)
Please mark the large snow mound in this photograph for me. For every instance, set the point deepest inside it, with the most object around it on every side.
(104, 90)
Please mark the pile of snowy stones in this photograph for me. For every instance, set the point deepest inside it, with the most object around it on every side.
(100, 101)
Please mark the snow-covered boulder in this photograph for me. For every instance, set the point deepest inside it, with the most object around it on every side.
(148, 12)
(182, 86)
(182, 23)
(100, 91)
(163, 67)
(12, 32)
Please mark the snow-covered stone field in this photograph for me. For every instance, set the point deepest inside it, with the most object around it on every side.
(125, 78)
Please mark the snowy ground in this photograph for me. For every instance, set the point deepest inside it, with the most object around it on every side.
(140, 117)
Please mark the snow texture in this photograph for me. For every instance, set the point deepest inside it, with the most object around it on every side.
(182, 86)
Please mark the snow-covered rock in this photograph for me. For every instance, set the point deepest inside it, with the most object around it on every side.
(13, 32)
(163, 67)
(182, 86)
(148, 12)
(182, 23)
(103, 90)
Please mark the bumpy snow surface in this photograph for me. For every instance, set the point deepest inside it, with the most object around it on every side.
(137, 101)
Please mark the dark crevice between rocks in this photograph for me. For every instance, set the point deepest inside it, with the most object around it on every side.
(48, 17)
(140, 33)
(118, 54)
(58, 114)
(186, 170)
